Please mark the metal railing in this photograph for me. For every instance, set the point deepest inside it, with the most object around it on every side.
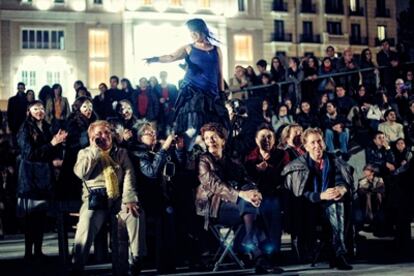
(280, 6)
(358, 12)
(308, 8)
(279, 85)
(382, 12)
(308, 38)
(287, 37)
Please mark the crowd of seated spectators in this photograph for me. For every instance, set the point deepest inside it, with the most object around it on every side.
(372, 110)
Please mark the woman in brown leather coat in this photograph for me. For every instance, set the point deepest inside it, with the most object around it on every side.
(225, 192)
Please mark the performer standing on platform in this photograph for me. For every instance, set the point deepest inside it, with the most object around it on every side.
(201, 99)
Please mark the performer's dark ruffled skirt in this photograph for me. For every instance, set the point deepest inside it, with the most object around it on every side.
(195, 107)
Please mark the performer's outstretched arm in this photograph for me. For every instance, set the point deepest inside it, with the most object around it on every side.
(177, 55)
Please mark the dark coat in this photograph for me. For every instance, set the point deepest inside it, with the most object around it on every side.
(16, 111)
(297, 175)
(328, 123)
(379, 157)
(149, 167)
(102, 107)
(153, 108)
(307, 120)
(69, 185)
(35, 173)
(389, 74)
(270, 181)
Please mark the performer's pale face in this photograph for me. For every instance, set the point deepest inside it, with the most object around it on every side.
(196, 36)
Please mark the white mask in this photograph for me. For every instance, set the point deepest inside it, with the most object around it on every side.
(86, 109)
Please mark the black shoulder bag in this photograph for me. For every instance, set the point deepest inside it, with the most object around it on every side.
(97, 199)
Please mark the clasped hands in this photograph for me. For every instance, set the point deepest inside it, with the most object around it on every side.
(252, 196)
(335, 193)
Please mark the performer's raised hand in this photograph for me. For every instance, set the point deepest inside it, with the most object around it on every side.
(151, 60)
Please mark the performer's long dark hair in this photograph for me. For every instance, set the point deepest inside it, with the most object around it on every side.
(199, 25)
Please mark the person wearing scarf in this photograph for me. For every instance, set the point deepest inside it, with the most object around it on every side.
(323, 184)
(102, 165)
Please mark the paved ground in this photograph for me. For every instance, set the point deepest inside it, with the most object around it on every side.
(377, 258)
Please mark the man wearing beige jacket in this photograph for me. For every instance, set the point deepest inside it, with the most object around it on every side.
(106, 167)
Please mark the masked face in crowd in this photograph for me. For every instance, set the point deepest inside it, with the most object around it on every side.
(86, 109)
(126, 111)
(37, 111)
(265, 139)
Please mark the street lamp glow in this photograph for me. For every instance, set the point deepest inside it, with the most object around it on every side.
(160, 5)
(131, 5)
(79, 5)
(43, 4)
(113, 5)
(190, 7)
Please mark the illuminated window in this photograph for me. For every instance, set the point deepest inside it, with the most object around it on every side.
(354, 5)
(147, 2)
(241, 5)
(334, 28)
(243, 48)
(176, 3)
(98, 57)
(29, 78)
(52, 77)
(204, 4)
(43, 39)
(98, 44)
(381, 32)
(98, 72)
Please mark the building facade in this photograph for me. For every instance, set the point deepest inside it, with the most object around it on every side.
(60, 41)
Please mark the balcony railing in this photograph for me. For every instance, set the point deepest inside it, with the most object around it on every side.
(280, 6)
(382, 13)
(357, 40)
(358, 12)
(286, 37)
(391, 41)
(308, 8)
(306, 38)
(334, 10)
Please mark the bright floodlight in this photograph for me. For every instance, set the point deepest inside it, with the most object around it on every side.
(131, 5)
(43, 4)
(79, 5)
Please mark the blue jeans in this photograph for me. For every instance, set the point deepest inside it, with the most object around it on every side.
(343, 140)
(334, 211)
(270, 212)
